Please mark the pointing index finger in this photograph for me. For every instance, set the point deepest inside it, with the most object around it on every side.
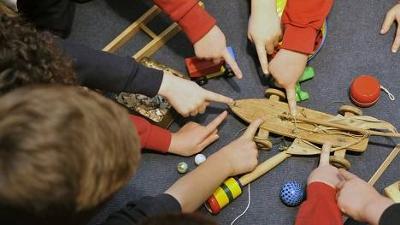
(215, 97)
(262, 56)
(232, 63)
(396, 42)
(326, 150)
(252, 129)
(216, 122)
(291, 97)
(389, 19)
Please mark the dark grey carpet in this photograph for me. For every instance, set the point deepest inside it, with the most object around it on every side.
(353, 47)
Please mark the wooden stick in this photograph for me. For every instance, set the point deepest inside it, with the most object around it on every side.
(264, 168)
(342, 127)
(148, 31)
(389, 159)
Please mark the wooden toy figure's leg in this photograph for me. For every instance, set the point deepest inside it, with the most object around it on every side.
(338, 159)
(262, 139)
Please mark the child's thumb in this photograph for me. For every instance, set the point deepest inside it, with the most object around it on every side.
(346, 175)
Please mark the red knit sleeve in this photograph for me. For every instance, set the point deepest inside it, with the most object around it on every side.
(151, 136)
(193, 19)
(302, 20)
(320, 208)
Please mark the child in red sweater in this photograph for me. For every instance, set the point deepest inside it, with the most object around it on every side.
(321, 207)
(331, 191)
(207, 38)
(301, 20)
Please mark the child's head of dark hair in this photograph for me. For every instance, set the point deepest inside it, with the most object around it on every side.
(63, 149)
(179, 219)
(30, 57)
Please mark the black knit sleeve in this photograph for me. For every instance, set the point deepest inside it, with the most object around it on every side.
(108, 72)
(391, 216)
(135, 212)
(52, 15)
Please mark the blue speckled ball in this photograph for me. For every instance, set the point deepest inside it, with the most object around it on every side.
(292, 193)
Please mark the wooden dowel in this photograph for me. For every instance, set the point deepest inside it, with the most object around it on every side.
(342, 127)
(389, 159)
(264, 168)
(148, 31)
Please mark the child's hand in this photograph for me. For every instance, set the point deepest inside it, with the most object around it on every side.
(242, 153)
(264, 30)
(213, 46)
(193, 137)
(187, 97)
(287, 67)
(325, 172)
(392, 15)
(359, 200)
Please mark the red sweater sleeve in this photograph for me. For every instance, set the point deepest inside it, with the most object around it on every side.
(193, 19)
(302, 20)
(320, 208)
(151, 136)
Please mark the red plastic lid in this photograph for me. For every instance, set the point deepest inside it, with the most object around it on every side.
(365, 90)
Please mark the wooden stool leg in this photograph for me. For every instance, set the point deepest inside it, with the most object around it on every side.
(140, 24)
(157, 42)
(132, 30)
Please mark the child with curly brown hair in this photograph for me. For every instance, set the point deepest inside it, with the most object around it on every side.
(60, 162)
(30, 57)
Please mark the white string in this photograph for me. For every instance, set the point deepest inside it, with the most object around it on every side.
(247, 207)
(391, 96)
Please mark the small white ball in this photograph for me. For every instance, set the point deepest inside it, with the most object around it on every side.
(199, 159)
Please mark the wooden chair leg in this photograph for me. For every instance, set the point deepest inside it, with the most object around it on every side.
(132, 30)
(157, 42)
(140, 25)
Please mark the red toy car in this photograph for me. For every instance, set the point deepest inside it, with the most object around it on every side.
(200, 70)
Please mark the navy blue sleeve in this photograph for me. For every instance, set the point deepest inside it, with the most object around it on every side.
(111, 73)
(52, 15)
(135, 212)
(391, 216)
